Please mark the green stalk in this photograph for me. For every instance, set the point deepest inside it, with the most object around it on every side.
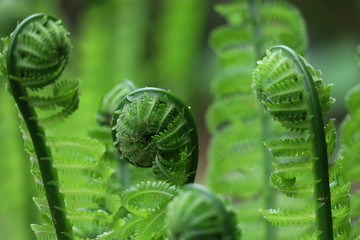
(269, 193)
(49, 175)
(124, 172)
(323, 217)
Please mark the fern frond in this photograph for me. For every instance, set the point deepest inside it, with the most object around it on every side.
(231, 83)
(288, 147)
(197, 213)
(229, 37)
(304, 109)
(240, 108)
(128, 229)
(153, 226)
(147, 196)
(93, 192)
(152, 128)
(235, 12)
(283, 24)
(289, 218)
(235, 152)
(110, 101)
(293, 169)
(313, 236)
(44, 232)
(289, 187)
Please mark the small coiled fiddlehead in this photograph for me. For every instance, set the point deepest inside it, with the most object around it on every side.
(36, 56)
(294, 95)
(152, 128)
(110, 101)
(38, 51)
(197, 213)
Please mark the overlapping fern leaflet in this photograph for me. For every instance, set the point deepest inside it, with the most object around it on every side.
(235, 119)
(152, 128)
(144, 212)
(293, 93)
(74, 199)
(83, 179)
(350, 140)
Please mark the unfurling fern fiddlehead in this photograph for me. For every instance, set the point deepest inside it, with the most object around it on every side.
(36, 56)
(293, 93)
(152, 128)
(197, 213)
(104, 116)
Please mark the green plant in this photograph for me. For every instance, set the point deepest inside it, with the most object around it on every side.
(198, 213)
(293, 93)
(151, 127)
(88, 189)
(350, 141)
(237, 158)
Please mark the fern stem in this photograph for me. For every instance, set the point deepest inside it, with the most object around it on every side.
(124, 172)
(49, 175)
(269, 195)
(323, 216)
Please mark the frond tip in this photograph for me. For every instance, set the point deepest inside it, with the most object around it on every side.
(197, 213)
(38, 51)
(152, 128)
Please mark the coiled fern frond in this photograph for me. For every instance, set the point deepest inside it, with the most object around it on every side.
(110, 101)
(293, 93)
(197, 213)
(152, 128)
(37, 53)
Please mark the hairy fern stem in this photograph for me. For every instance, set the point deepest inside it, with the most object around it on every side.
(308, 107)
(48, 173)
(323, 217)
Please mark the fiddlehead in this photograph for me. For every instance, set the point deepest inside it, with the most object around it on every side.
(104, 116)
(152, 128)
(197, 213)
(36, 56)
(293, 93)
(110, 101)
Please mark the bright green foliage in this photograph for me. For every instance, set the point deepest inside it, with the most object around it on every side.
(83, 178)
(110, 101)
(146, 197)
(197, 213)
(74, 199)
(350, 140)
(235, 119)
(293, 93)
(145, 208)
(177, 44)
(41, 52)
(151, 128)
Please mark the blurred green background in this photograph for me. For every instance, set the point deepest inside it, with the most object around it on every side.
(160, 43)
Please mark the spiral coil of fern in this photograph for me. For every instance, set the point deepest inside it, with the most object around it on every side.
(152, 128)
(292, 92)
(36, 56)
(197, 213)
